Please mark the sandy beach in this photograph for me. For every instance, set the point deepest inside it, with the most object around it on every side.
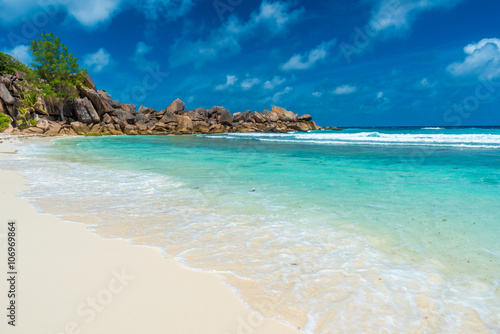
(70, 280)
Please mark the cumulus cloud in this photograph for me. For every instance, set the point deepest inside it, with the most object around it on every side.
(249, 83)
(21, 53)
(317, 94)
(92, 12)
(276, 81)
(277, 97)
(344, 90)
(98, 60)
(309, 59)
(274, 18)
(482, 59)
(139, 57)
(400, 14)
(230, 81)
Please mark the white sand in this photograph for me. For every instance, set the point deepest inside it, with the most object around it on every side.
(63, 269)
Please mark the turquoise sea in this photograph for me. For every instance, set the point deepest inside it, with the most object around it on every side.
(373, 230)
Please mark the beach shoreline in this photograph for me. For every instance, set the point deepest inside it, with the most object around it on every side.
(72, 281)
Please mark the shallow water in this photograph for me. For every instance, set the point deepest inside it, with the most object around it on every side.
(362, 231)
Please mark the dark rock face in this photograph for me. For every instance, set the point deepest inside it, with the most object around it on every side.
(91, 111)
(305, 118)
(225, 117)
(5, 95)
(80, 111)
(95, 111)
(89, 82)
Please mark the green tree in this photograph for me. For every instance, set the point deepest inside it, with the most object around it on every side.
(57, 68)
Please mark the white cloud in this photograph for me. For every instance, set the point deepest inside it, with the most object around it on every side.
(277, 97)
(307, 60)
(344, 90)
(92, 12)
(141, 49)
(317, 94)
(21, 53)
(249, 83)
(277, 15)
(98, 60)
(230, 81)
(381, 97)
(276, 81)
(483, 60)
(226, 40)
(400, 14)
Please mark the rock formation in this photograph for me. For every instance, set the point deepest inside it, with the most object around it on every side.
(94, 112)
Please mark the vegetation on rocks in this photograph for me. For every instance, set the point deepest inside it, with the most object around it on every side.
(4, 122)
(9, 65)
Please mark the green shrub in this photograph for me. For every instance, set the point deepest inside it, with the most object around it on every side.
(8, 64)
(4, 122)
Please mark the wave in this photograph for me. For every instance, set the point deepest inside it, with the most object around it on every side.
(432, 128)
(490, 141)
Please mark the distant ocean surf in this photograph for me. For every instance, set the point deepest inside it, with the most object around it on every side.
(361, 231)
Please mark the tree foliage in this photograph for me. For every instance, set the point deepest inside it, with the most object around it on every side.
(9, 64)
(56, 66)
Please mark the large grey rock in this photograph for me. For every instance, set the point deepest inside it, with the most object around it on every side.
(43, 124)
(125, 116)
(215, 111)
(202, 111)
(305, 118)
(141, 118)
(141, 126)
(130, 108)
(80, 128)
(237, 117)
(184, 122)
(195, 116)
(116, 104)
(225, 117)
(32, 131)
(100, 104)
(107, 119)
(313, 126)
(301, 126)
(87, 80)
(145, 111)
(19, 75)
(168, 117)
(90, 109)
(53, 129)
(271, 115)
(80, 111)
(285, 115)
(258, 117)
(5, 95)
(176, 107)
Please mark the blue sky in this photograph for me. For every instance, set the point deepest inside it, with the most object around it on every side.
(347, 63)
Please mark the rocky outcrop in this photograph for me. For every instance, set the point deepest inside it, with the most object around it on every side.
(96, 112)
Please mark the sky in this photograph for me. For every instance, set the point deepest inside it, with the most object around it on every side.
(345, 62)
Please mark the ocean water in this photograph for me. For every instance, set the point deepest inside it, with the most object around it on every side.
(389, 230)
